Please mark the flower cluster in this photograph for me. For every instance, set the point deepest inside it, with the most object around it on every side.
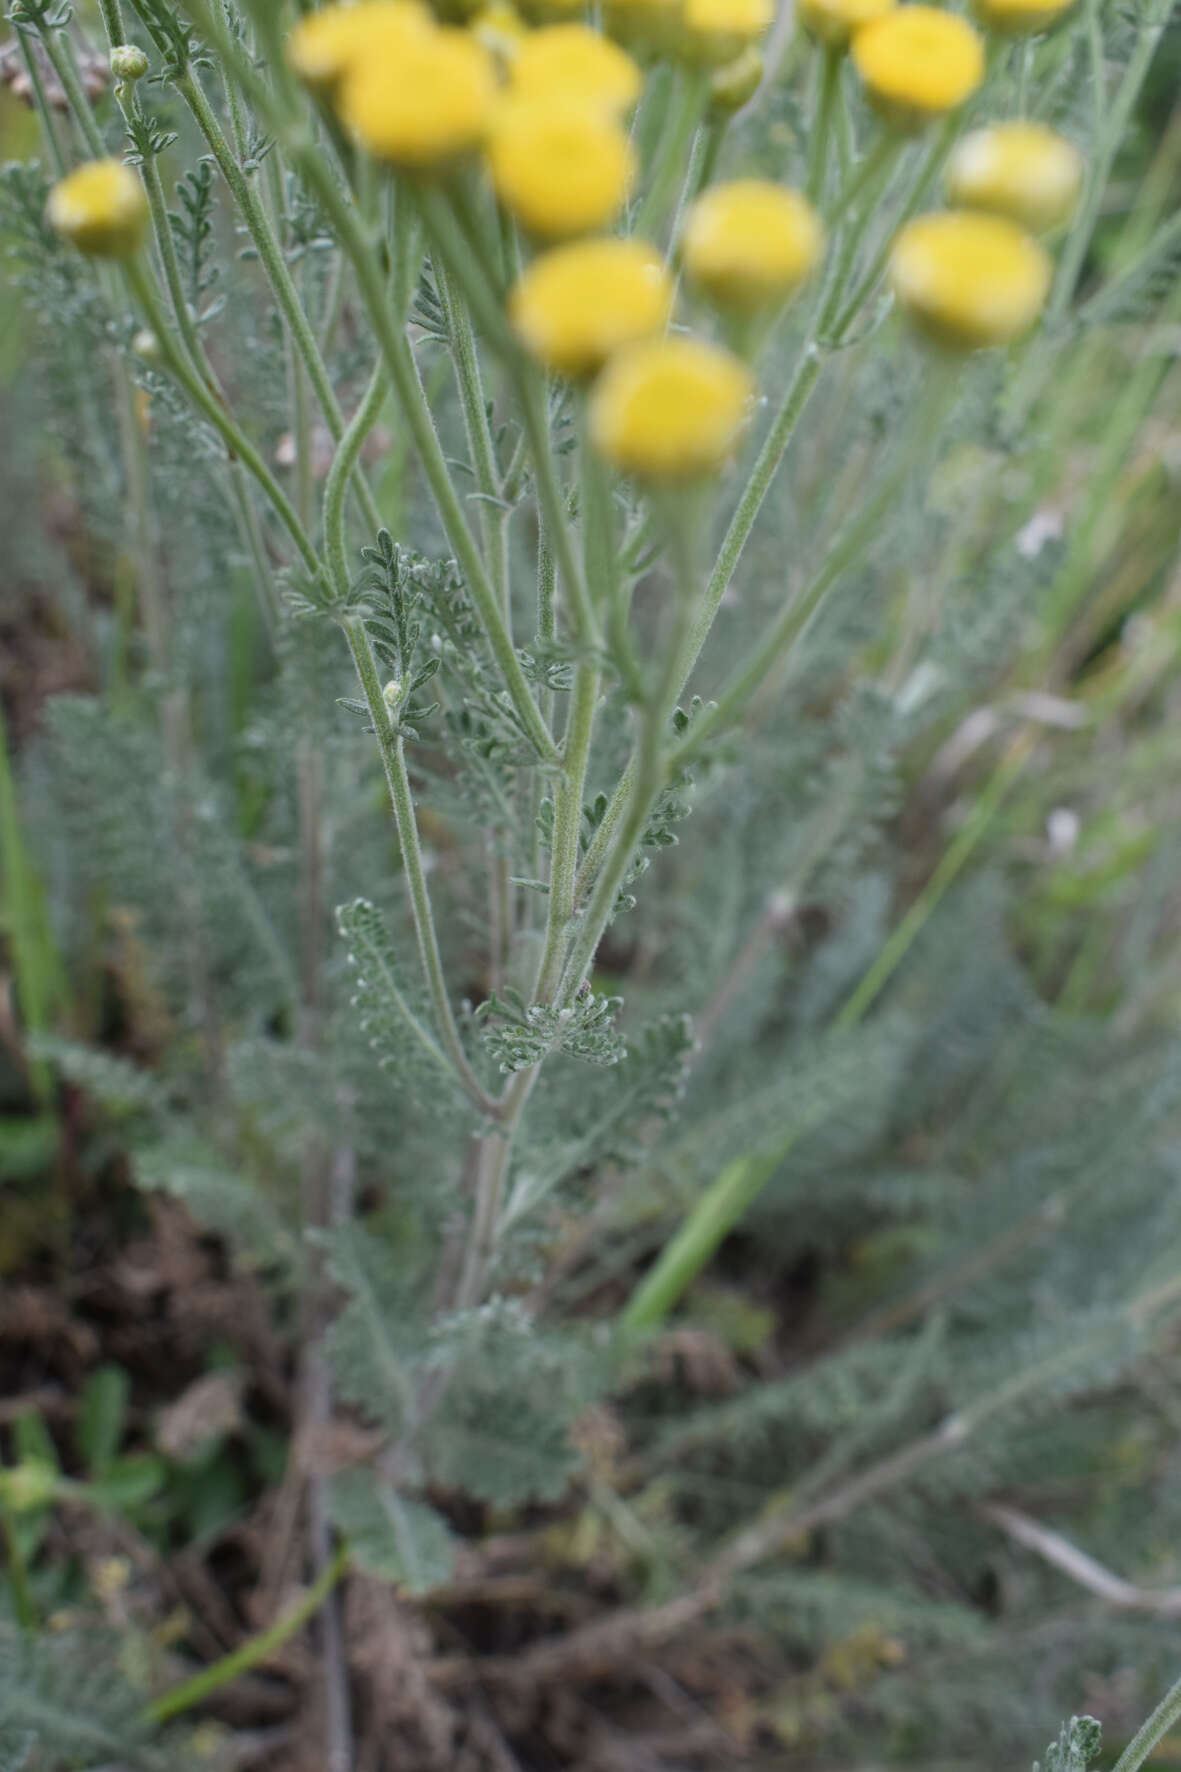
(544, 101)
(545, 106)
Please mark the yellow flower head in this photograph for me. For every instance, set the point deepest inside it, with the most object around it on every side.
(1022, 170)
(423, 101)
(1019, 17)
(969, 279)
(750, 243)
(574, 62)
(918, 62)
(715, 31)
(834, 21)
(561, 168)
(578, 304)
(324, 45)
(735, 83)
(670, 409)
(100, 208)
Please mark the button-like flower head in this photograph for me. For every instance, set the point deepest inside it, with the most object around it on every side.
(917, 63)
(561, 168)
(751, 242)
(574, 62)
(671, 409)
(969, 279)
(421, 101)
(577, 305)
(325, 44)
(101, 208)
(1022, 170)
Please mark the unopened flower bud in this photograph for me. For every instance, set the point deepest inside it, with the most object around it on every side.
(128, 62)
(145, 344)
(735, 83)
(101, 208)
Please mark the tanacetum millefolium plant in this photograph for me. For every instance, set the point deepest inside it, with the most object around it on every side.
(528, 440)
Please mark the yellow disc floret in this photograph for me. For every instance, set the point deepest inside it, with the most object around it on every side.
(917, 63)
(1019, 17)
(101, 208)
(834, 21)
(576, 305)
(969, 279)
(715, 31)
(1022, 170)
(422, 102)
(670, 409)
(574, 62)
(561, 168)
(324, 44)
(751, 242)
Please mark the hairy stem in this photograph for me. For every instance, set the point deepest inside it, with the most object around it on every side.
(393, 757)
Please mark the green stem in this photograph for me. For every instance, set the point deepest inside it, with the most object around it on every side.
(567, 827)
(827, 100)
(62, 61)
(798, 612)
(928, 171)
(236, 442)
(18, 1575)
(1074, 253)
(250, 1654)
(275, 265)
(951, 865)
(647, 773)
(350, 233)
(339, 474)
(408, 388)
(1167, 1712)
(393, 757)
(465, 357)
(166, 249)
(42, 106)
(112, 22)
(672, 152)
(451, 239)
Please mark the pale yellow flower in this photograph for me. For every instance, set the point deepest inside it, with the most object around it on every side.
(918, 62)
(1022, 170)
(749, 243)
(574, 62)
(715, 31)
(101, 208)
(834, 21)
(559, 167)
(970, 279)
(1017, 17)
(422, 102)
(576, 305)
(324, 44)
(670, 409)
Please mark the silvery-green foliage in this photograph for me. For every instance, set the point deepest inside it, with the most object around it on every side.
(392, 1537)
